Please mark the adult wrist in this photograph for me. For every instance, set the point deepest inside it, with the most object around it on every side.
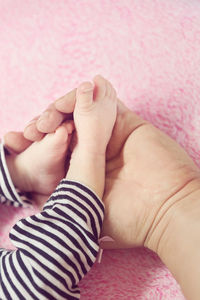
(176, 238)
(175, 212)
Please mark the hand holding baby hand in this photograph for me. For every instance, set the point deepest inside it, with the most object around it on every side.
(145, 174)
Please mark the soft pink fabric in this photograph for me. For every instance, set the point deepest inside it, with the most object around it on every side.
(150, 50)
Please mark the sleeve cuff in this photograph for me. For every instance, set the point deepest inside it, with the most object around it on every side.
(69, 193)
(9, 194)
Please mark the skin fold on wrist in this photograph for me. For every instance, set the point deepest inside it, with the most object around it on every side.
(176, 239)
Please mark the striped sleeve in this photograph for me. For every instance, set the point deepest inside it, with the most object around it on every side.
(8, 193)
(55, 248)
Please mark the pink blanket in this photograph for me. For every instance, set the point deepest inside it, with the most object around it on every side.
(150, 50)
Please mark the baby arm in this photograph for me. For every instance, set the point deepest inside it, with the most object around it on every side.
(55, 248)
(94, 120)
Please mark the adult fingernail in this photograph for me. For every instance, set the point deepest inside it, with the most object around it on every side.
(60, 100)
(44, 115)
(66, 98)
(30, 123)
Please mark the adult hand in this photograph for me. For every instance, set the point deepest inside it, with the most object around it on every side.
(147, 173)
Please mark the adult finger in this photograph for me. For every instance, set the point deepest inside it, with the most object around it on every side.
(15, 142)
(66, 103)
(56, 113)
(50, 119)
(31, 132)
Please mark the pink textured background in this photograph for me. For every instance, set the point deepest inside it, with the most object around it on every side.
(150, 50)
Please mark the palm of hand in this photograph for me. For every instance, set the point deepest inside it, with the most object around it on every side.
(140, 178)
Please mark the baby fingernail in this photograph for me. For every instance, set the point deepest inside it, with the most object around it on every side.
(85, 88)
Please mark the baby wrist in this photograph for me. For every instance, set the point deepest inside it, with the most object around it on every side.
(89, 169)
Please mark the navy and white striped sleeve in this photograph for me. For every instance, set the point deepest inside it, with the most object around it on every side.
(55, 248)
(9, 194)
